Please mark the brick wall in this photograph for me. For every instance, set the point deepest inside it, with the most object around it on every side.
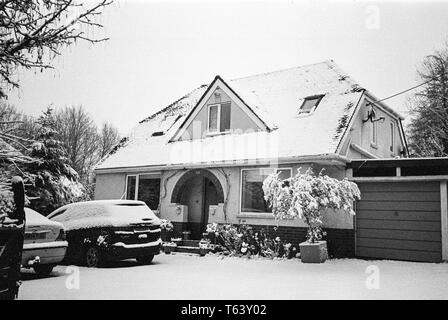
(340, 242)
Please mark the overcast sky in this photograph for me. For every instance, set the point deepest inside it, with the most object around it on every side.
(158, 51)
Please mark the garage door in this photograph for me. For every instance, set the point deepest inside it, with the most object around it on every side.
(399, 220)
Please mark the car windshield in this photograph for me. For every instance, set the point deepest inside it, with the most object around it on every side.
(135, 210)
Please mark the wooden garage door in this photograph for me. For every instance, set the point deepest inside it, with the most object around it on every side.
(399, 220)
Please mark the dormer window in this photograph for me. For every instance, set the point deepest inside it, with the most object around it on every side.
(218, 118)
(310, 104)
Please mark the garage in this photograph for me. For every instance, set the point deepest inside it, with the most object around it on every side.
(399, 220)
(402, 214)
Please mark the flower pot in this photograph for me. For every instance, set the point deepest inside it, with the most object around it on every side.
(166, 235)
(169, 249)
(313, 252)
(203, 251)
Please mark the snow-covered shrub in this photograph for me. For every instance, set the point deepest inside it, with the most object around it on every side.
(167, 229)
(307, 196)
(166, 225)
(242, 240)
(7, 205)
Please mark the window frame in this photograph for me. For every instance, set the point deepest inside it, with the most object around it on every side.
(218, 118)
(240, 206)
(126, 186)
(317, 97)
(137, 181)
(392, 137)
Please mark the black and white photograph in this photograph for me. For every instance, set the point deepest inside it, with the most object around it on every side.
(225, 152)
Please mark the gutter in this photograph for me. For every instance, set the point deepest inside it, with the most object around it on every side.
(328, 158)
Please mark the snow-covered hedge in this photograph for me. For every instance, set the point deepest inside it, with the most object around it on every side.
(306, 196)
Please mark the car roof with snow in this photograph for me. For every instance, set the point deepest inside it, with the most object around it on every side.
(102, 213)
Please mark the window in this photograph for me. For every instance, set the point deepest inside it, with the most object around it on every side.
(149, 191)
(392, 137)
(219, 117)
(374, 132)
(145, 188)
(252, 196)
(310, 104)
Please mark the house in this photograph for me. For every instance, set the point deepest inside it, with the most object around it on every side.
(203, 158)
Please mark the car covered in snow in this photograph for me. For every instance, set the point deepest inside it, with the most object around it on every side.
(44, 244)
(105, 230)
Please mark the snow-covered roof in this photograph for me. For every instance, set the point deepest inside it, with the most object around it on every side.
(275, 98)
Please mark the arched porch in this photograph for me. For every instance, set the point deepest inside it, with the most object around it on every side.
(198, 189)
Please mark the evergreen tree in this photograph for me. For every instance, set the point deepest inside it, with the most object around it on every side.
(428, 130)
(54, 181)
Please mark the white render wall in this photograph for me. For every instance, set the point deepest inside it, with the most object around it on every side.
(112, 186)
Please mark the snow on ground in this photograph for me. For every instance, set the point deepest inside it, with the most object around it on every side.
(181, 276)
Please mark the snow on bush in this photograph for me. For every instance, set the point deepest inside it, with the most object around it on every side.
(7, 205)
(166, 225)
(243, 240)
(306, 196)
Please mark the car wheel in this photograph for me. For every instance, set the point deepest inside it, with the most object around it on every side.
(43, 269)
(92, 257)
(145, 259)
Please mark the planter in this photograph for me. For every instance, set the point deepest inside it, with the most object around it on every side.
(166, 235)
(169, 249)
(313, 252)
(203, 251)
(186, 235)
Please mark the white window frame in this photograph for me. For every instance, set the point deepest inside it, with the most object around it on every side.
(392, 137)
(137, 181)
(306, 113)
(218, 120)
(251, 213)
(218, 124)
(136, 186)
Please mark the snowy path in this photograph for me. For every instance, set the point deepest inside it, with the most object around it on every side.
(190, 277)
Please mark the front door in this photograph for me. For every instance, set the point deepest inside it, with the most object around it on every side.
(199, 194)
(210, 198)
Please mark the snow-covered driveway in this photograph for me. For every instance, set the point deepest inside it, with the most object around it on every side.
(181, 276)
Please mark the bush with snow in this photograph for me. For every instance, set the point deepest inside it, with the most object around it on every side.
(243, 240)
(307, 196)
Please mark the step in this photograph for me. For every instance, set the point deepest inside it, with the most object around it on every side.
(188, 249)
(190, 243)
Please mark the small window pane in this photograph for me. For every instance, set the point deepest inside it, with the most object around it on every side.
(252, 198)
(130, 187)
(149, 191)
(252, 191)
(213, 119)
(309, 104)
(225, 117)
(392, 137)
(284, 173)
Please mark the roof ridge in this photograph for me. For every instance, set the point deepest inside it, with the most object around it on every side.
(329, 61)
